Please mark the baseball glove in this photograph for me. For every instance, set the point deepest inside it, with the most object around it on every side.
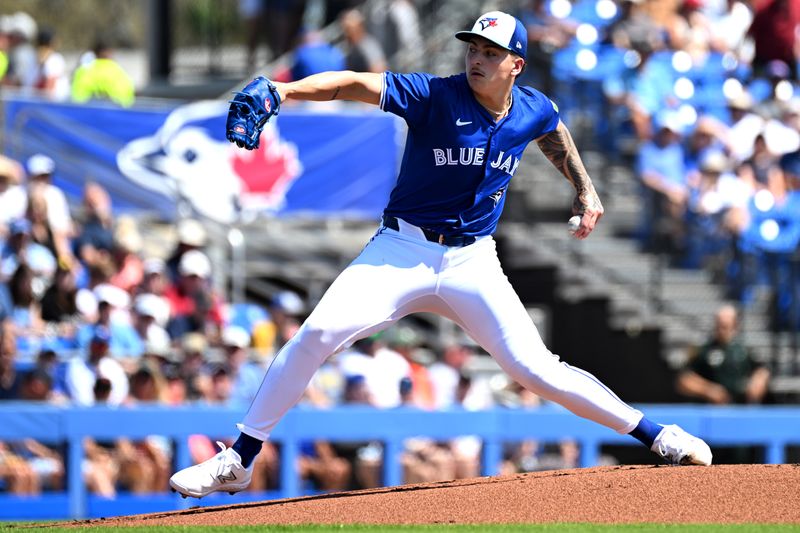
(250, 109)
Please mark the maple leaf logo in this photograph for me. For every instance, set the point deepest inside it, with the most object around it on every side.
(267, 172)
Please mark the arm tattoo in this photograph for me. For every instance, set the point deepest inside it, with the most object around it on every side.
(336, 92)
(560, 149)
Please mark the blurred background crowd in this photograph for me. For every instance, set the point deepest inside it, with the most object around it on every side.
(699, 98)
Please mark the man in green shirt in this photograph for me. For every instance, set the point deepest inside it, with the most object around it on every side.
(102, 79)
(723, 371)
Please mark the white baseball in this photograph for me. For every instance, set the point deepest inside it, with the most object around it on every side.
(574, 223)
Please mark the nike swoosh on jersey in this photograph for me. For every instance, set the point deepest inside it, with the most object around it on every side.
(460, 123)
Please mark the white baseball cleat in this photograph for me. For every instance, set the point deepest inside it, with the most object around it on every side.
(680, 448)
(223, 472)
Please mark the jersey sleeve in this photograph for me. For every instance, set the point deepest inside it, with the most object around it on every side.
(550, 116)
(407, 95)
(544, 112)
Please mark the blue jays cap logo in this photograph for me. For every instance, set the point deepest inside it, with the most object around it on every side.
(487, 22)
(500, 28)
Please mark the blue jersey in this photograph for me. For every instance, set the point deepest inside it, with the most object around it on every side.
(458, 161)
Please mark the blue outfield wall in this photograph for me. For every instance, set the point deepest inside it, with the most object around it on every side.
(773, 428)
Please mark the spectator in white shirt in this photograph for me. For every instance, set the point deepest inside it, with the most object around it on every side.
(82, 373)
(40, 169)
(53, 79)
(381, 368)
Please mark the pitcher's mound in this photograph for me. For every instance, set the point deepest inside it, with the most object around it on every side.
(725, 493)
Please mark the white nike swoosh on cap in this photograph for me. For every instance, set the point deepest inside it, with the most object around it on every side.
(460, 123)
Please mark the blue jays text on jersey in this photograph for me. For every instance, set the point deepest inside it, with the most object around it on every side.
(458, 161)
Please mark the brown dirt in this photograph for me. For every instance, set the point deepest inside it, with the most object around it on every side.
(720, 494)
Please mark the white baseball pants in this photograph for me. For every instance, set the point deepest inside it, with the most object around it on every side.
(399, 273)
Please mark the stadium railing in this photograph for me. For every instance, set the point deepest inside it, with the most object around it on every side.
(773, 428)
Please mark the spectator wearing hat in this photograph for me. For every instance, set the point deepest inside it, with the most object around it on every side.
(192, 367)
(246, 375)
(40, 169)
(285, 310)
(193, 304)
(82, 372)
(22, 62)
(154, 277)
(13, 197)
(19, 248)
(708, 135)
(113, 316)
(150, 314)
(744, 127)
(382, 369)
(662, 171)
(717, 191)
(154, 285)
(191, 236)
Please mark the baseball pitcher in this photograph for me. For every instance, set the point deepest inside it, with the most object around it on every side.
(434, 250)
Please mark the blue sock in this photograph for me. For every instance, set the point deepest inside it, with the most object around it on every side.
(247, 447)
(646, 432)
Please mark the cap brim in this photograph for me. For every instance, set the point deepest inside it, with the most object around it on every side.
(466, 36)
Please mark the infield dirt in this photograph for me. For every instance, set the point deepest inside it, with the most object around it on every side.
(621, 494)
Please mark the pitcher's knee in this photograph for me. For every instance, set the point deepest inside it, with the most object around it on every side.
(321, 342)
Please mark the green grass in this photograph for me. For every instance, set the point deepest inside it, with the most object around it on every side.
(478, 528)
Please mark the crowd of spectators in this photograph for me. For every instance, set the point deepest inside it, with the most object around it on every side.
(701, 97)
(30, 61)
(369, 37)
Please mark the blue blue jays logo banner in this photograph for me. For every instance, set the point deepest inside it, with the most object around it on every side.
(341, 163)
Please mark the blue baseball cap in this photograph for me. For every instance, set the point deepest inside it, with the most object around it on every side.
(502, 29)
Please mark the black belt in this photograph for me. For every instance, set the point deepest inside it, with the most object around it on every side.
(445, 240)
